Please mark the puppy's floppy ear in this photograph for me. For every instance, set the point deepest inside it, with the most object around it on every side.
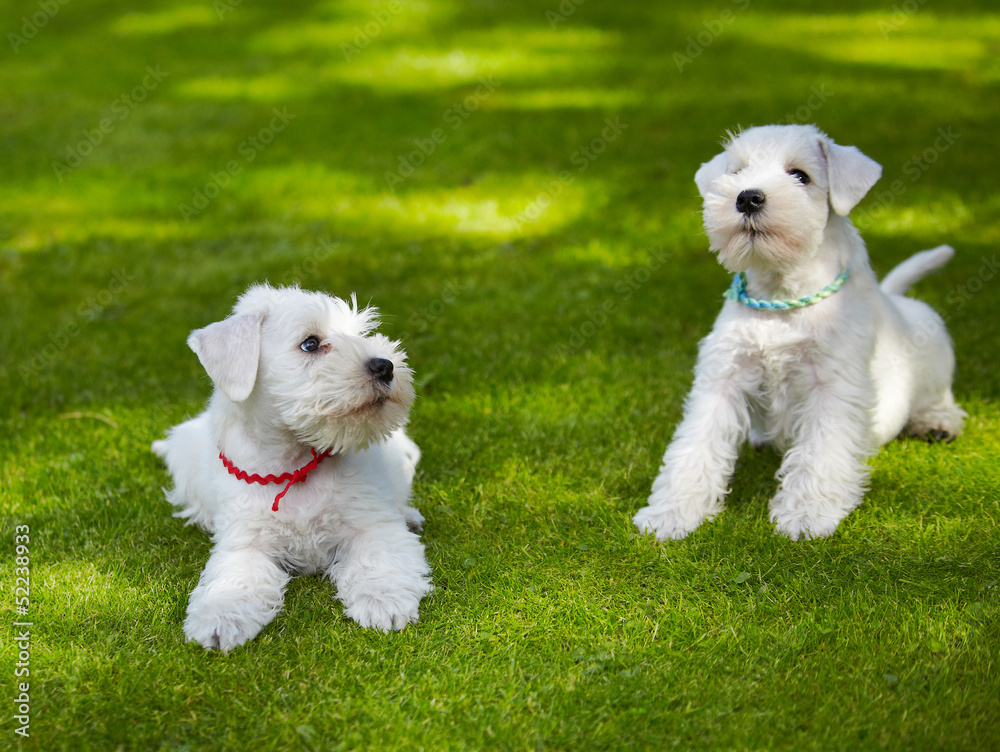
(709, 171)
(230, 351)
(851, 175)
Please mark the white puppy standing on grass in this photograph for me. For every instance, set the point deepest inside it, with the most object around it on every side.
(299, 465)
(810, 354)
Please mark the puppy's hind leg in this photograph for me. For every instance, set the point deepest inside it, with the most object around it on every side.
(694, 477)
(940, 421)
(933, 412)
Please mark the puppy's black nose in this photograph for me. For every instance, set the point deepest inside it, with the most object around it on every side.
(381, 369)
(750, 201)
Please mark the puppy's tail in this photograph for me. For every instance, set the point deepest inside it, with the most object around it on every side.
(915, 268)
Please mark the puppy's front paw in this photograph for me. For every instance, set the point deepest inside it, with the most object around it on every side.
(382, 599)
(805, 529)
(222, 631)
(384, 611)
(665, 525)
(224, 618)
(799, 522)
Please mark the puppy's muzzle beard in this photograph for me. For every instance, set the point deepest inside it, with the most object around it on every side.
(379, 388)
(749, 230)
(737, 227)
(350, 409)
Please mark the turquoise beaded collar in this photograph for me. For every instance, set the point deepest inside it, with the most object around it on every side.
(738, 292)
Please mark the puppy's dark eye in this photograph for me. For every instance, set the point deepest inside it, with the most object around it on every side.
(310, 344)
(800, 176)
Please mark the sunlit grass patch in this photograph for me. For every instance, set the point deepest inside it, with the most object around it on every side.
(918, 39)
(177, 18)
(501, 207)
(506, 54)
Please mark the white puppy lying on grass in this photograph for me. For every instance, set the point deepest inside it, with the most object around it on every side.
(810, 354)
(299, 465)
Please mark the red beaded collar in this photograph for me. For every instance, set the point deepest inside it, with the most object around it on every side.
(291, 478)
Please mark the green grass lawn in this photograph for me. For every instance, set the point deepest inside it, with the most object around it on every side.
(511, 183)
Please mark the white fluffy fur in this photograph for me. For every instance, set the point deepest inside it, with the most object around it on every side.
(273, 402)
(827, 384)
